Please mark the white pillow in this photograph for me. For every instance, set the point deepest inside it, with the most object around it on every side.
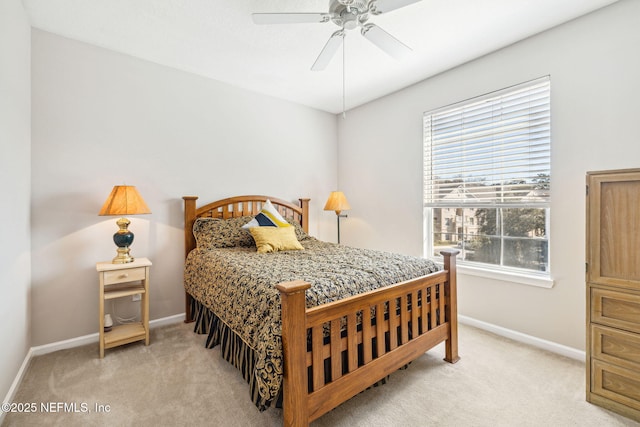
(268, 217)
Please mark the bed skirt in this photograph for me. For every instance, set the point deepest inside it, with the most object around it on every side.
(232, 348)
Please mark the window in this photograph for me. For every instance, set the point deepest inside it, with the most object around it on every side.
(487, 179)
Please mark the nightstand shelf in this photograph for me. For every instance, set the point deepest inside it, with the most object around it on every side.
(123, 280)
(116, 291)
(124, 334)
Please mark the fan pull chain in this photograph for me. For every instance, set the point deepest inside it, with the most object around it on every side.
(344, 78)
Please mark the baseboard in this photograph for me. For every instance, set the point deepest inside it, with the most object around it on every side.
(176, 318)
(71, 343)
(16, 382)
(93, 338)
(551, 346)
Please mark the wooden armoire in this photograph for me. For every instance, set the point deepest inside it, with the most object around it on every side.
(613, 290)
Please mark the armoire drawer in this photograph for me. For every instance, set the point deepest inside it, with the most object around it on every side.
(616, 346)
(618, 384)
(617, 309)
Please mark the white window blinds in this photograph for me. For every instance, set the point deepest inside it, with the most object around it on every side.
(493, 150)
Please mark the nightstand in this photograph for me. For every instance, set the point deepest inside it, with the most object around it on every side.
(122, 280)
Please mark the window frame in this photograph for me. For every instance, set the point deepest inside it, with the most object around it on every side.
(499, 271)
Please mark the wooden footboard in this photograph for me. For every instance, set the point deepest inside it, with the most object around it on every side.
(362, 346)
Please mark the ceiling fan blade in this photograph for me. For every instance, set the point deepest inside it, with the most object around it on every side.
(381, 6)
(328, 51)
(385, 41)
(290, 18)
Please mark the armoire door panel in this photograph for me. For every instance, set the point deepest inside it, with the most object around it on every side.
(614, 229)
(620, 234)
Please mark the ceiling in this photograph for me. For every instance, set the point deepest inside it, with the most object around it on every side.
(218, 39)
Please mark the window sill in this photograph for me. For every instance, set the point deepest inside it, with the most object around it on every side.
(507, 276)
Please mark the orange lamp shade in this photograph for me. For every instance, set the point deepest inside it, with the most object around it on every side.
(337, 201)
(124, 200)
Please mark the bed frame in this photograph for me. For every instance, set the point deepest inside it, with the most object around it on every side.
(353, 357)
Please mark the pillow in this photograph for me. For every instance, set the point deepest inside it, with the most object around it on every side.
(221, 233)
(274, 239)
(268, 217)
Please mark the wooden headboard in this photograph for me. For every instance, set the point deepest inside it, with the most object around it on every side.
(234, 207)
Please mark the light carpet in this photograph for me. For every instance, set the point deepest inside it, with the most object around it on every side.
(176, 381)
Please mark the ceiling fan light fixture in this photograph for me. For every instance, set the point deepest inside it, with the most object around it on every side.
(350, 18)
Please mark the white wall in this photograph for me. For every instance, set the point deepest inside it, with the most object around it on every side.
(101, 119)
(15, 148)
(594, 67)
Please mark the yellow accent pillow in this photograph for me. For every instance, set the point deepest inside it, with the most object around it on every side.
(274, 239)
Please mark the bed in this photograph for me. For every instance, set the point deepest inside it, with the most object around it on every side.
(312, 327)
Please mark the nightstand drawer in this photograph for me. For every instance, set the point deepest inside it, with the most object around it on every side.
(617, 309)
(122, 276)
(616, 346)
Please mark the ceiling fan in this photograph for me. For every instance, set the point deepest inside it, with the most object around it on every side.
(348, 15)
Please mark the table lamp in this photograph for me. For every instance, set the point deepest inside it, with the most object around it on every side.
(124, 200)
(337, 202)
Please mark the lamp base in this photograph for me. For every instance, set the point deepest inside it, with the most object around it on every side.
(123, 239)
(123, 256)
(343, 216)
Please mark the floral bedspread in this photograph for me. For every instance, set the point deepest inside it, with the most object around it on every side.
(238, 285)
